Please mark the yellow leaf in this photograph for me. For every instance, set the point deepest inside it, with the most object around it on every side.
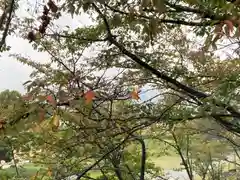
(49, 173)
(56, 122)
(37, 129)
(34, 176)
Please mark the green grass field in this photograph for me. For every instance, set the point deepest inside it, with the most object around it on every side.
(26, 170)
(166, 162)
(170, 161)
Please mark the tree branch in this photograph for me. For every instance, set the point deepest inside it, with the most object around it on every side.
(11, 9)
(104, 18)
(156, 72)
(184, 161)
(143, 158)
(191, 92)
(104, 156)
(75, 37)
(3, 17)
(205, 13)
(170, 21)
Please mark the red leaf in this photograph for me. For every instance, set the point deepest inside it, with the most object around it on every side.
(27, 97)
(229, 26)
(89, 96)
(2, 122)
(51, 100)
(41, 114)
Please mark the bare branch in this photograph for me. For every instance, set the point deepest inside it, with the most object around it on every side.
(76, 37)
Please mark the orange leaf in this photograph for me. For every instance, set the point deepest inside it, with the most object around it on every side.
(51, 100)
(49, 172)
(135, 94)
(89, 96)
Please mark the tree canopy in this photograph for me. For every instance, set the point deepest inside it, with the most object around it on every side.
(84, 109)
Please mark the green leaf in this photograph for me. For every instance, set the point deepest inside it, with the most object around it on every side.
(116, 20)
(145, 3)
(160, 5)
(86, 6)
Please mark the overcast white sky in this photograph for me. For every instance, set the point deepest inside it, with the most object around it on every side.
(13, 74)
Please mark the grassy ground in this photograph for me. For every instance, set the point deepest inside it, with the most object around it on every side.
(26, 170)
(170, 161)
(166, 162)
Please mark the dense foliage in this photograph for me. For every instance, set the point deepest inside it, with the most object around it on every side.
(84, 112)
